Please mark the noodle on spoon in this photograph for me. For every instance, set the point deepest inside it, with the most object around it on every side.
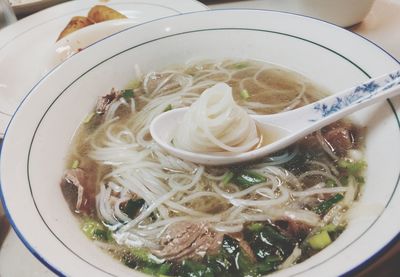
(215, 123)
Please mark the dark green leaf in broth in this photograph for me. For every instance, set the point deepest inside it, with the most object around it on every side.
(195, 269)
(127, 94)
(269, 242)
(326, 205)
(132, 207)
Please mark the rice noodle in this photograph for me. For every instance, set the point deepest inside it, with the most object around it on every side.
(216, 123)
(309, 192)
(291, 260)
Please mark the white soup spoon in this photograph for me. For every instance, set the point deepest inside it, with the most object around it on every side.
(282, 129)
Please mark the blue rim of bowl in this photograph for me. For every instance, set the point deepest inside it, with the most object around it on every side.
(357, 268)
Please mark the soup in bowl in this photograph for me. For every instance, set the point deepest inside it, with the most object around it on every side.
(107, 200)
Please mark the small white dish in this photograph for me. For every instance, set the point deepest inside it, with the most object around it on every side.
(343, 13)
(23, 63)
(80, 39)
(39, 134)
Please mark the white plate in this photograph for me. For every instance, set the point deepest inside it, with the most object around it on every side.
(40, 132)
(25, 45)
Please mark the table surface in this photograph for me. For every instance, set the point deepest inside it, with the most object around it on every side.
(381, 26)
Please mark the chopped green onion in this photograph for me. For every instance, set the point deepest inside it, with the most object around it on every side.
(333, 230)
(127, 94)
(329, 228)
(353, 167)
(256, 227)
(167, 108)
(75, 164)
(88, 118)
(227, 177)
(95, 230)
(320, 240)
(244, 94)
(330, 183)
(248, 178)
(241, 65)
(325, 206)
(99, 234)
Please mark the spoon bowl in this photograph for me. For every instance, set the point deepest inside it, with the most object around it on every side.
(285, 128)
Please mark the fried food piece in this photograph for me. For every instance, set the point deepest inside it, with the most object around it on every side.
(76, 23)
(98, 13)
(101, 13)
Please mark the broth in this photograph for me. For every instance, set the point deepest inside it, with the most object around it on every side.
(164, 216)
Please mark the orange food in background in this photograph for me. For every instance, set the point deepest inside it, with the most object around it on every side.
(98, 13)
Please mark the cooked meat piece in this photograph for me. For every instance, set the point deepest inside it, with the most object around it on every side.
(295, 229)
(340, 139)
(188, 240)
(339, 136)
(76, 190)
(105, 101)
(309, 142)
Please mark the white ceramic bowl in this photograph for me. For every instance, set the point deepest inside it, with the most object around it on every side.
(39, 134)
(344, 13)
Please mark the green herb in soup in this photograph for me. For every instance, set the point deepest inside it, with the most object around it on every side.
(168, 217)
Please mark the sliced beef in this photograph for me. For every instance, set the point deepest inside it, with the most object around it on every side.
(340, 139)
(339, 136)
(105, 101)
(188, 240)
(295, 229)
(76, 189)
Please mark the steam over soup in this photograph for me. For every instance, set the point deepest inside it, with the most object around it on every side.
(164, 216)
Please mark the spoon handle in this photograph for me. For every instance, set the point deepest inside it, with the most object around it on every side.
(325, 111)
